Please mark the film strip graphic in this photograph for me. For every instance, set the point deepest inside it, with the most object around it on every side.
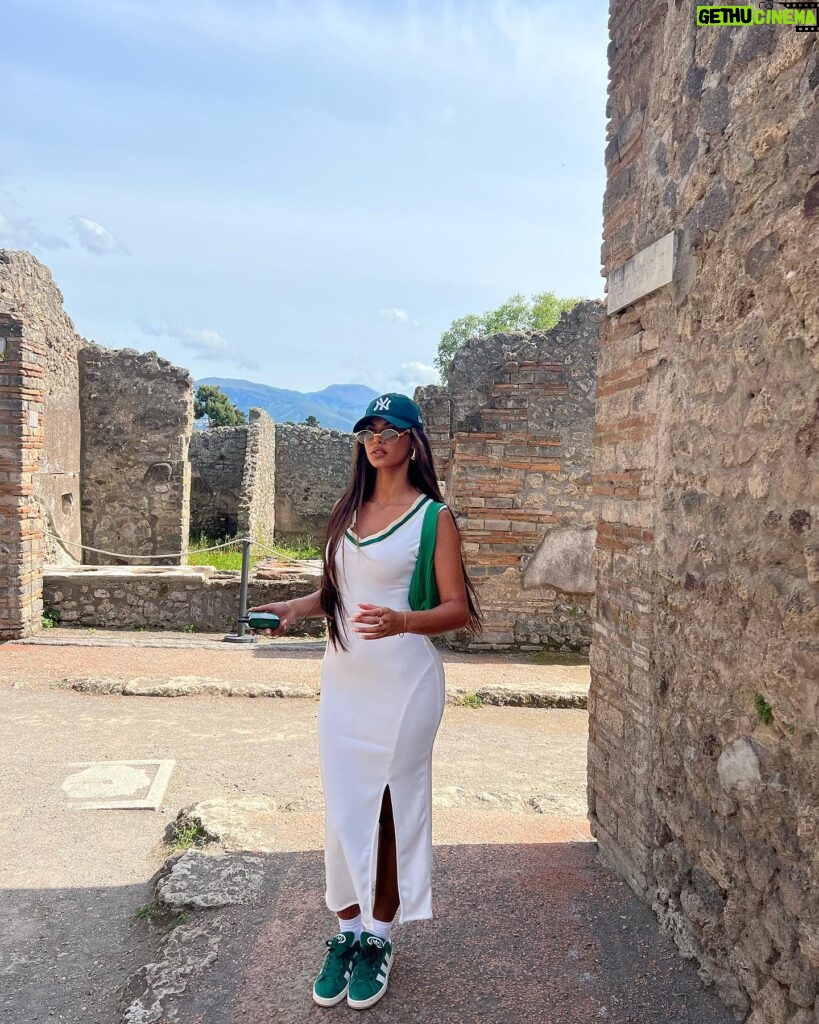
(797, 5)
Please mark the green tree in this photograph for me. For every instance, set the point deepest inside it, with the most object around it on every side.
(311, 421)
(212, 402)
(540, 312)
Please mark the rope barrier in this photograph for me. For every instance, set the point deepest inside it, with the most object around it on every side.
(241, 634)
(235, 542)
(119, 554)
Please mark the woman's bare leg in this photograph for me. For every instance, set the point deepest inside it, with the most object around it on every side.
(386, 877)
(349, 913)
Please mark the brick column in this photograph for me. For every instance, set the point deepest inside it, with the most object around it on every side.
(22, 398)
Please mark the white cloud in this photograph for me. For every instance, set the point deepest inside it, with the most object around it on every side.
(398, 316)
(95, 238)
(202, 342)
(502, 46)
(18, 232)
(404, 380)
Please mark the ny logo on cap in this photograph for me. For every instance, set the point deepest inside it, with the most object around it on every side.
(382, 404)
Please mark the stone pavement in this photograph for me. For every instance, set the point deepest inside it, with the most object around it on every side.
(529, 926)
(138, 663)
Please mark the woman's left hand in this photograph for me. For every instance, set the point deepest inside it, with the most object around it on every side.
(374, 623)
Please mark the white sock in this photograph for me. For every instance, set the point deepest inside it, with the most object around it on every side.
(353, 924)
(381, 928)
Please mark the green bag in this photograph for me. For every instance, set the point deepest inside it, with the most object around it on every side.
(423, 591)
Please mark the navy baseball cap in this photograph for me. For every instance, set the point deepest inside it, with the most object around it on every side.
(399, 410)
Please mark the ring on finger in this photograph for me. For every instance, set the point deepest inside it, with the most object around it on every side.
(380, 620)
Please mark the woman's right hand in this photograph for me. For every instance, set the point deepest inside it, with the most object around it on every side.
(281, 608)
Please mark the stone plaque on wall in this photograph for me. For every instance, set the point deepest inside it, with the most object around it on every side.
(649, 270)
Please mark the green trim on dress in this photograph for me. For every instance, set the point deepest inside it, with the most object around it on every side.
(388, 531)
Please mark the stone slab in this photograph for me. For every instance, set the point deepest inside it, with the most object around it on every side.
(114, 783)
(648, 270)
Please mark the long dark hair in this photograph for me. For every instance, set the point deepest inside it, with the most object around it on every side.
(422, 476)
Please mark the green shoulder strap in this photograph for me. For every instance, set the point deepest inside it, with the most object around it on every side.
(423, 591)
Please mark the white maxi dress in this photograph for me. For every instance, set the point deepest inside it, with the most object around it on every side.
(380, 708)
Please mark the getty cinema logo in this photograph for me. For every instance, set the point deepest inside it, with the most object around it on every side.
(803, 16)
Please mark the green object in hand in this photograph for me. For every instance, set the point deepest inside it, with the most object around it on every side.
(263, 620)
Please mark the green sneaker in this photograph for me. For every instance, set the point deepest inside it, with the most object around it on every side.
(334, 977)
(371, 972)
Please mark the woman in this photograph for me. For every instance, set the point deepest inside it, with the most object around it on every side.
(393, 575)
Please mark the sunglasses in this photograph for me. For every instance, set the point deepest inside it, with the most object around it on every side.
(386, 436)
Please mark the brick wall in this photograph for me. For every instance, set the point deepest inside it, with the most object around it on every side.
(28, 294)
(703, 781)
(469, 384)
(22, 403)
(519, 481)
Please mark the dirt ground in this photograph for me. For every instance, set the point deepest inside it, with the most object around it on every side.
(529, 924)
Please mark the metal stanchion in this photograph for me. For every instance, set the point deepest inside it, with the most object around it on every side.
(240, 637)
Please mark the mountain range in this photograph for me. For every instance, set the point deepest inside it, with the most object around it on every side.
(337, 406)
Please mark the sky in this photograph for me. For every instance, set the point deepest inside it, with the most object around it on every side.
(303, 193)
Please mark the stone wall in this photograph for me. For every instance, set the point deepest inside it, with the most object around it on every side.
(197, 598)
(137, 418)
(217, 458)
(257, 505)
(313, 467)
(703, 781)
(22, 404)
(28, 294)
(519, 482)
(469, 385)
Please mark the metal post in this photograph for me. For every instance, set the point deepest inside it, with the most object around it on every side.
(240, 636)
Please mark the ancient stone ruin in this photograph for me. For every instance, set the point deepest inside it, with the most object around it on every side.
(513, 435)
(233, 480)
(704, 751)
(313, 467)
(94, 451)
(136, 417)
(41, 423)
(264, 478)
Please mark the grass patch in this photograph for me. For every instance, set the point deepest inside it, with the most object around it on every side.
(763, 709)
(558, 658)
(231, 558)
(469, 700)
(51, 617)
(187, 834)
(145, 913)
(298, 547)
(175, 922)
(166, 920)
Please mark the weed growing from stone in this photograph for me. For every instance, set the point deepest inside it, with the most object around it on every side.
(151, 913)
(470, 700)
(175, 922)
(51, 617)
(190, 628)
(144, 913)
(186, 834)
(763, 709)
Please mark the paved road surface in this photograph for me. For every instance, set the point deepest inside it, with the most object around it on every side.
(529, 924)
